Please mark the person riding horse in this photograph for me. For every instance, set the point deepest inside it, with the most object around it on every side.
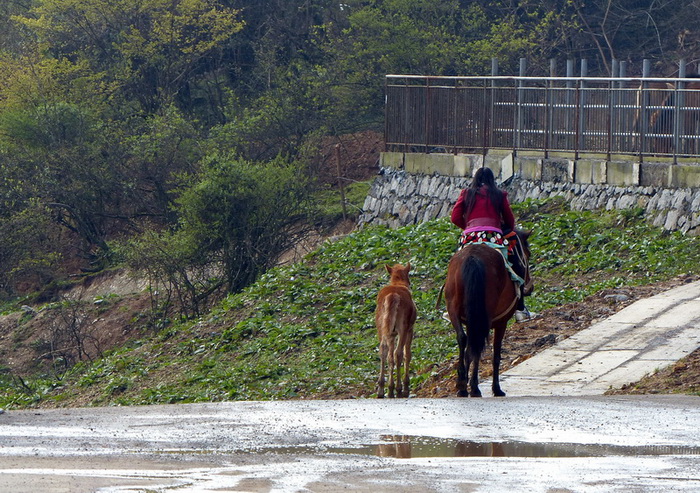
(484, 214)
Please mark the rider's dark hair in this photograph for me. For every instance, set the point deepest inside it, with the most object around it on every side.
(483, 178)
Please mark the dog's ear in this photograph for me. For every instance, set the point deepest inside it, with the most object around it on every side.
(388, 269)
(408, 267)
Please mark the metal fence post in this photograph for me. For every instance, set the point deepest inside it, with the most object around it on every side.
(571, 93)
(581, 145)
(549, 112)
(644, 119)
(519, 108)
(428, 105)
(624, 123)
(488, 129)
(679, 104)
(612, 106)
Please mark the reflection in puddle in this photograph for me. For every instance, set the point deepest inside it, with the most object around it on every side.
(411, 447)
(407, 447)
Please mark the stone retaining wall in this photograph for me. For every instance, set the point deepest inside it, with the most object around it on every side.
(398, 197)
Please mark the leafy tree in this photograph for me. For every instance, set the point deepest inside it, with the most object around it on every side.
(10, 39)
(243, 214)
(422, 37)
(391, 36)
(236, 219)
(602, 30)
(277, 98)
(277, 122)
(63, 142)
(167, 144)
(277, 34)
(58, 152)
(38, 141)
(156, 52)
(30, 252)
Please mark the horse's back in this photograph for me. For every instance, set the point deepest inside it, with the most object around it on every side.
(398, 298)
(492, 259)
(498, 288)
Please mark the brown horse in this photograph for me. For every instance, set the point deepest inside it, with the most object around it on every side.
(395, 317)
(480, 294)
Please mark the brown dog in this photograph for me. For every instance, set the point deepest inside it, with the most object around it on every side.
(395, 316)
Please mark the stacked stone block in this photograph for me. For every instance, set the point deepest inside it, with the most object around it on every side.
(399, 198)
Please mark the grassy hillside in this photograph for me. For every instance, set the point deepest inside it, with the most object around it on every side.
(307, 330)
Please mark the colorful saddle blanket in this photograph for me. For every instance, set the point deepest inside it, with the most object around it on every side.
(492, 237)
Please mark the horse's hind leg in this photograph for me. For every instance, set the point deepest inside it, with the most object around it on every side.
(403, 362)
(474, 378)
(497, 345)
(392, 364)
(407, 361)
(383, 356)
(398, 360)
(462, 363)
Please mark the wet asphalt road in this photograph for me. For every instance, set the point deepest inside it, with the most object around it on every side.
(537, 444)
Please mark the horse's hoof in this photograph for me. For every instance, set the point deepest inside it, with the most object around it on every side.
(499, 393)
(380, 396)
(476, 393)
(462, 393)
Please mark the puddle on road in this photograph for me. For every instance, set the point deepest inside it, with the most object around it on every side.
(411, 447)
(415, 446)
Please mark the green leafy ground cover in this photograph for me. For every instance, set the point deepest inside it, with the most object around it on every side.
(307, 330)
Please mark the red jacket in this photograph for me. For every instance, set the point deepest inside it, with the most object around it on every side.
(483, 216)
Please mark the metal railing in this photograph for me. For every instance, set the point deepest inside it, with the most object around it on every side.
(620, 115)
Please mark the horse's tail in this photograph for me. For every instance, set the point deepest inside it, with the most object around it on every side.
(474, 280)
(390, 310)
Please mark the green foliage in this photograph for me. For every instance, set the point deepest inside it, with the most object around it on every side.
(168, 144)
(104, 103)
(236, 219)
(579, 253)
(410, 36)
(28, 252)
(329, 204)
(141, 50)
(424, 37)
(18, 393)
(92, 118)
(310, 329)
(167, 260)
(279, 120)
(243, 213)
(54, 151)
